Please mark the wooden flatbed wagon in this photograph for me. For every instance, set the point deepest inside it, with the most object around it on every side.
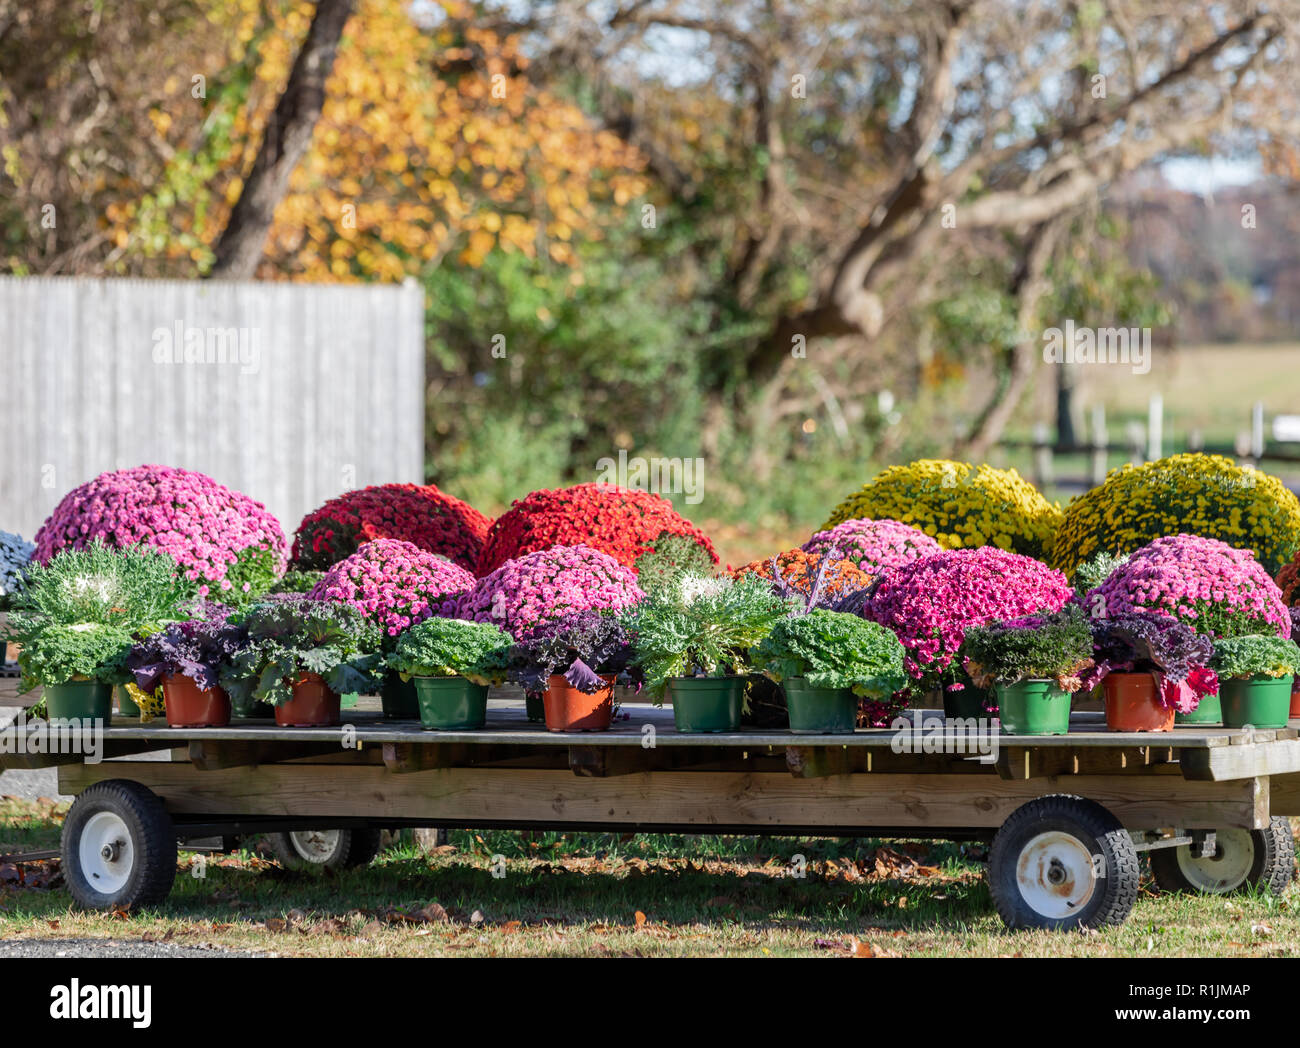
(1067, 815)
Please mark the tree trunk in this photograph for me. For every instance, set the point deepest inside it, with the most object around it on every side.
(286, 140)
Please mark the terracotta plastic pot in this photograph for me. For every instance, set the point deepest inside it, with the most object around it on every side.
(451, 703)
(1133, 703)
(79, 700)
(820, 711)
(568, 709)
(398, 698)
(1260, 701)
(1034, 707)
(314, 705)
(706, 705)
(189, 706)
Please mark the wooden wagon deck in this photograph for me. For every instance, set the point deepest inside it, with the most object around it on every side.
(643, 775)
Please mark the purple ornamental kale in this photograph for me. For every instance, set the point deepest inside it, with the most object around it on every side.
(581, 648)
(1137, 642)
(194, 649)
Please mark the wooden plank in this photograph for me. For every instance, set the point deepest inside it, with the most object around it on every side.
(689, 801)
(209, 755)
(1241, 762)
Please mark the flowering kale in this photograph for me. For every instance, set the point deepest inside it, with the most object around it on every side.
(1256, 655)
(194, 649)
(438, 647)
(588, 645)
(1148, 642)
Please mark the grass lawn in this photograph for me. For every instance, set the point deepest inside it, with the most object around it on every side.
(611, 895)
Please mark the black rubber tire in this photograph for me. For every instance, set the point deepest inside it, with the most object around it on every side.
(355, 848)
(1097, 830)
(152, 839)
(1271, 868)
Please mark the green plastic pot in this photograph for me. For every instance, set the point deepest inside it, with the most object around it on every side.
(1034, 707)
(451, 703)
(706, 705)
(535, 707)
(967, 704)
(79, 700)
(1208, 711)
(1260, 701)
(251, 708)
(126, 705)
(349, 700)
(398, 698)
(820, 711)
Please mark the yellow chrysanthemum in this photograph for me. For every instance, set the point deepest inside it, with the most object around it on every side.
(1199, 494)
(959, 505)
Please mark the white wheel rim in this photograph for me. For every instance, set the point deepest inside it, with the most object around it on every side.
(315, 846)
(1055, 874)
(106, 853)
(1223, 871)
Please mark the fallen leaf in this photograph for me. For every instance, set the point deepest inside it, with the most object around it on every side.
(640, 919)
(277, 924)
(477, 917)
(434, 912)
(511, 926)
(860, 949)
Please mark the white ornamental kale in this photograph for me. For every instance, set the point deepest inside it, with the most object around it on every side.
(15, 555)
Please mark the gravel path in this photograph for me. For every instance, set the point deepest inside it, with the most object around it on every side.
(110, 948)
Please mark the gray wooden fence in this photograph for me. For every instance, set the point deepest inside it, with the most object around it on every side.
(291, 393)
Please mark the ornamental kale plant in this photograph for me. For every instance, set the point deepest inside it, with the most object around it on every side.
(830, 649)
(15, 557)
(196, 649)
(60, 652)
(1147, 642)
(1096, 570)
(438, 647)
(1055, 646)
(1256, 655)
(701, 627)
(584, 648)
(134, 588)
(297, 635)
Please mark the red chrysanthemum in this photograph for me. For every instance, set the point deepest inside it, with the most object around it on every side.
(799, 568)
(622, 522)
(416, 513)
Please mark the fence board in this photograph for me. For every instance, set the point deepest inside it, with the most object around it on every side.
(329, 395)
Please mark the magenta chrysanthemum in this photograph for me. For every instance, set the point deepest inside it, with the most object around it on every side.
(201, 524)
(526, 595)
(873, 545)
(396, 584)
(1215, 588)
(930, 603)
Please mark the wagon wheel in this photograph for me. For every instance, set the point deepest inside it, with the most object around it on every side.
(325, 849)
(119, 847)
(1242, 859)
(1063, 862)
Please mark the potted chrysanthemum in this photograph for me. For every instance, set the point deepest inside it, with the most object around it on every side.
(396, 585)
